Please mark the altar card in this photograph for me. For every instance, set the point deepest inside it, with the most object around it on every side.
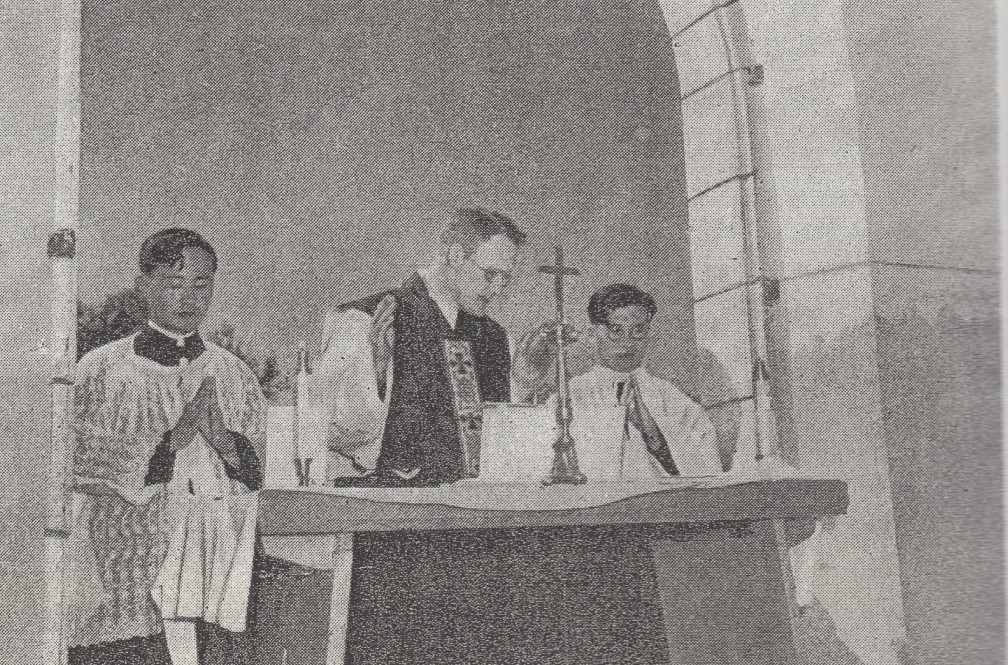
(517, 442)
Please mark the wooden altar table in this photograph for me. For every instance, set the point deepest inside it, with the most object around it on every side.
(720, 547)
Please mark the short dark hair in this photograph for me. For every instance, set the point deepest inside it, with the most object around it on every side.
(615, 296)
(165, 247)
(472, 226)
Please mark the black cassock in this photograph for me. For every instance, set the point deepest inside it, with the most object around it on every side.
(485, 596)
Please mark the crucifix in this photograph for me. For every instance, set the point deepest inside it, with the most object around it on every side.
(565, 467)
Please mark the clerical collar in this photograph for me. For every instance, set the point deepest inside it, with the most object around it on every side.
(610, 382)
(180, 340)
(446, 302)
(165, 347)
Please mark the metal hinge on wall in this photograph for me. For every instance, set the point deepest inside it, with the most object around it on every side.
(759, 371)
(62, 244)
(771, 292)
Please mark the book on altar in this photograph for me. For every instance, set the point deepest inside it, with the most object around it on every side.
(517, 444)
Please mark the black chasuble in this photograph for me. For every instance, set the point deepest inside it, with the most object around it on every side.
(576, 595)
(422, 428)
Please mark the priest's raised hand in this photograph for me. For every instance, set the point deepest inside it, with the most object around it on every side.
(534, 363)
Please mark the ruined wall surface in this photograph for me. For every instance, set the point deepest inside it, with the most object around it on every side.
(926, 93)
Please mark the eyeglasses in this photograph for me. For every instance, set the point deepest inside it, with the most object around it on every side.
(635, 333)
(492, 274)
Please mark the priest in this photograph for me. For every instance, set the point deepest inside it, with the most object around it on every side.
(392, 387)
(393, 407)
(169, 431)
(397, 411)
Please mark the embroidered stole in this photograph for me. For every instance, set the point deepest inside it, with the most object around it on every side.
(467, 403)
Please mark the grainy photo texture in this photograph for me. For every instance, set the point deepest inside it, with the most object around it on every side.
(498, 331)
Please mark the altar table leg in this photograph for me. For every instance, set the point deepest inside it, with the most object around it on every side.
(286, 619)
(786, 581)
(727, 595)
(339, 601)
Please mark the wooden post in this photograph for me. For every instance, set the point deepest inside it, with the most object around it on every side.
(62, 250)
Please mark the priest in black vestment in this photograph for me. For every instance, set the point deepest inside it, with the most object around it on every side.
(394, 419)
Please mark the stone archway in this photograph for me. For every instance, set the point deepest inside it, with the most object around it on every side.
(779, 249)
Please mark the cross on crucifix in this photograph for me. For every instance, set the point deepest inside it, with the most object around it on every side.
(559, 271)
(565, 467)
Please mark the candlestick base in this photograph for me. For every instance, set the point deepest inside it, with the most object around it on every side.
(302, 466)
(565, 467)
(576, 478)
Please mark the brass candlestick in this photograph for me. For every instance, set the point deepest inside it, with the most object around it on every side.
(565, 466)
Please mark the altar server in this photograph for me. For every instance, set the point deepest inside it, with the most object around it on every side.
(169, 429)
(628, 423)
(659, 430)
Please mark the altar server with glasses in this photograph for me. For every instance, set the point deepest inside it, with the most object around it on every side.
(629, 424)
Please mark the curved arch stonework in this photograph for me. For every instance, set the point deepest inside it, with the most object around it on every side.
(779, 249)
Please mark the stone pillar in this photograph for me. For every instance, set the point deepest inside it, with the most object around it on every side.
(780, 250)
(925, 84)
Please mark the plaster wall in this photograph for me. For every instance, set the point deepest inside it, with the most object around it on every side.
(939, 369)
(926, 92)
(873, 143)
(804, 258)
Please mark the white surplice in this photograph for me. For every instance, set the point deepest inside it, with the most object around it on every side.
(340, 407)
(609, 448)
(186, 546)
